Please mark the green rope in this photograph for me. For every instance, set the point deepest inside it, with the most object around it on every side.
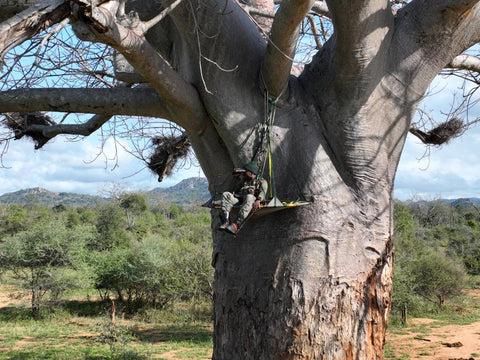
(265, 144)
(270, 117)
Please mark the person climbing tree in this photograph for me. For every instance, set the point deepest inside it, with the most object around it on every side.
(251, 192)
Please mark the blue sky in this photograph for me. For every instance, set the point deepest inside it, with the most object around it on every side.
(451, 171)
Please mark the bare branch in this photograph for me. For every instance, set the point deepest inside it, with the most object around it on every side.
(282, 42)
(316, 33)
(124, 101)
(182, 98)
(147, 25)
(465, 62)
(26, 24)
(41, 128)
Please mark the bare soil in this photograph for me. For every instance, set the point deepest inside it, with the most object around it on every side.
(428, 339)
(11, 297)
(442, 343)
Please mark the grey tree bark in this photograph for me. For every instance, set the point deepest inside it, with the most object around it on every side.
(312, 282)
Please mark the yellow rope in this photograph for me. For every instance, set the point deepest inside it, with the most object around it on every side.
(270, 172)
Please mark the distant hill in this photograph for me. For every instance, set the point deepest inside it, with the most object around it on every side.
(192, 191)
(464, 201)
(49, 198)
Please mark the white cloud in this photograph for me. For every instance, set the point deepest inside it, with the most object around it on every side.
(451, 171)
(73, 167)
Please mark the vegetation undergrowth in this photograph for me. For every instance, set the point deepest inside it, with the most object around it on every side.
(123, 280)
(62, 334)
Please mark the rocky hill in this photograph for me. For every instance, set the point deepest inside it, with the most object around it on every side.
(464, 201)
(192, 191)
(49, 198)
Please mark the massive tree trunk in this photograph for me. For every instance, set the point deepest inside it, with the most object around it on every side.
(311, 282)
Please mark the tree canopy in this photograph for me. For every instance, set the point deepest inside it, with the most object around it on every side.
(50, 69)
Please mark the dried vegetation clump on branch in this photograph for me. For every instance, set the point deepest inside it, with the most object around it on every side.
(442, 133)
(168, 150)
(24, 124)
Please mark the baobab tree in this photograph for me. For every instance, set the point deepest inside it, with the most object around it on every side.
(312, 282)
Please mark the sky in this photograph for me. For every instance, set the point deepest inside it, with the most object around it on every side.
(451, 171)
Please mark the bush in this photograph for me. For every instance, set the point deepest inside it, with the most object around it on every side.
(437, 277)
(139, 276)
(110, 225)
(42, 258)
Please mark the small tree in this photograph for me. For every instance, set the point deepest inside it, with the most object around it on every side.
(134, 204)
(14, 220)
(41, 259)
(110, 225)
(437, 277)
(407, 249)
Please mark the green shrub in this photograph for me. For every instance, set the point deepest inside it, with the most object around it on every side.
(42, 259)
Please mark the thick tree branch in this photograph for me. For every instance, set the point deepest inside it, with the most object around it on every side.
(181, 98)
(446, 20)
(428, 36)
(30, 22)
(85, 129)
(465, 62)
(321, 8)
(120, 101)
(361, 41)
(152, 22)
(282, 42)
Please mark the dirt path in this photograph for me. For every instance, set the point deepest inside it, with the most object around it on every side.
(10, 297)
(427, 339)
(438, 343)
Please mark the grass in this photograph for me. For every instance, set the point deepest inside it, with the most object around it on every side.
(83, 338)
(392, 353)
(82, 330)
(460, 311)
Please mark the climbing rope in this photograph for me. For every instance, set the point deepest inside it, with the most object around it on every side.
(265, 144)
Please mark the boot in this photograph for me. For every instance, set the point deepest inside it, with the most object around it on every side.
(232, 228)
(224, 215)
